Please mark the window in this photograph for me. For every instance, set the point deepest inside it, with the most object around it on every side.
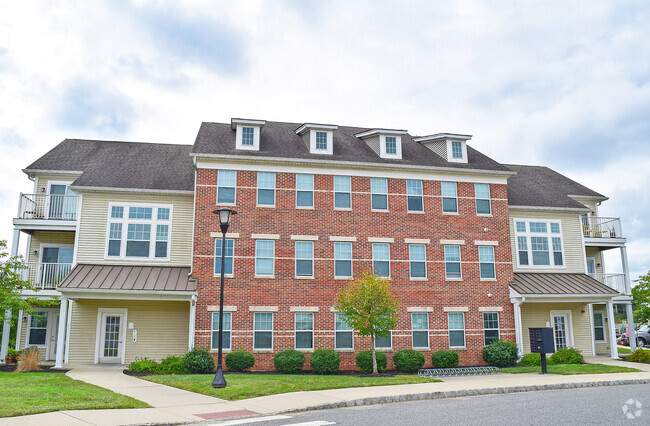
(342, 192)
(599, 327)
(321, 140)
(342, 260)
(379, 191)
(384, 342)
(304, 258)
(140, 212)
(420, 326)
(265, 189)
(138, 231)
(486, 262)
(163, 213)
(264, 258)
(414, 196)
(456, 149)
(452, 262)
(114, 239)
(381, 259)
(391, 145)
(344, 333)
(456, 321)
(38, 328)
(228, 256)
(138, 240)
(539, 243)
(305, 190)
(522, 249)
(304, 330)
(117, 212)
(418, 260)
(482, 195)
(449, 197)
(226, 183)
(247, 136)
(491, 327)
(162, 236)
(263, 330)
(227, 328)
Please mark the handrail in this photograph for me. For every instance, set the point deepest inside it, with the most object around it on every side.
(45, 275)
(601, 227)
(48, 206)
(615, 281)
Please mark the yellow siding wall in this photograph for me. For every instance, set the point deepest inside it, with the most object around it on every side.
(94, 219)
(25, 327)
(47, 237)
(43, 181)
(163, 328)
(596, 253)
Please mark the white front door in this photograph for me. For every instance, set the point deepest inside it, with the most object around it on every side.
(591, 267)
(111, 343)
(54, 335)
(561, 330)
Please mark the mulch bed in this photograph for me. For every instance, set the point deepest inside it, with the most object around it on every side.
(8, 368)
(390, 373)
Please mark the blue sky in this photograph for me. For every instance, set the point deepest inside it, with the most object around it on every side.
(563, 84)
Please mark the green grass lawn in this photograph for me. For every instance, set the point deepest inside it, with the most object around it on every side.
(242, 386)
(567, 369)
(624, 350)
(31, 393)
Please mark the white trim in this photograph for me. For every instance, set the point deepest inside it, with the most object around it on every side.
(549, 240)
(265, 236)
(374, 132)
(593, 325)
(380, 240)
(390, 348)
(212, 330)
(551, 209)
(239, 136)
(398, 147)
(343, 239)
(123, 327)
(226, 308)
(419, 309)
(569, 325)
(67, 332)
(455, 309)
(233, 187)
(417, 241)
(229, 235)
(329, 150)
(303, 308)
(80, 189)
(272, 330)
(490, 309)
(262, 309)
(341, 331)
(309, 126)
(485, 243)
(246, 121)
(296, 331)
(452, 242)
(192, 325)
(77, 293)
(48, 330)
(413, 331)
(450, 151)
(441, 136)
(304, 237)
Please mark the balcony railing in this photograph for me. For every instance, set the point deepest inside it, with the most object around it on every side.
(46, 275)
(601, 227)
(46, 206)
(615, 281)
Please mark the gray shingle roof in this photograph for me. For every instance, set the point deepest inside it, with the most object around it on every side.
(540, 186)
(126, 277)
(534, 283)
(278, 139)
(112, 164)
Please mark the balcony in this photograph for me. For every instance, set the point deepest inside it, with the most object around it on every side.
(47, 211)
(45, 275)
(602, 231)
(615, 281)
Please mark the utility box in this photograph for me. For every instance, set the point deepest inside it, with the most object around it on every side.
(541, 340)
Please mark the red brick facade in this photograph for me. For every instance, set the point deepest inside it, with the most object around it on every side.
(284, 290)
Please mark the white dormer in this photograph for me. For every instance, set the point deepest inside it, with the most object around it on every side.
(247, 134)
(319, 138)
(450, 146)
(385, 142)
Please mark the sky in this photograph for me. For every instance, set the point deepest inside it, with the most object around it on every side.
(554, 83)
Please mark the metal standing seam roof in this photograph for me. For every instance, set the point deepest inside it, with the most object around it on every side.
(559, 283)
(129, 278)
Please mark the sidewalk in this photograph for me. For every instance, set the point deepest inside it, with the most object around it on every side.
(171, 405)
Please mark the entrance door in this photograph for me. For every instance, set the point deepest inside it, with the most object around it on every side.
(561, 330)
(54, 336)
(61, 203)
(591, 267)
(57, 263)
(111, 342)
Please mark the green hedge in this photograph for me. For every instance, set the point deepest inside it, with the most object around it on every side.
(532, 360)
(289, 361)
(500, 354)
(640, 355)
(143, 365)
(239, 360)
(444, 359)
(173, 364)
(567, 356)
(364, 361)
(199, 361)
(325, 361)
(408, 360)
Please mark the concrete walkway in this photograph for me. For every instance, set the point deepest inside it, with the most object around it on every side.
(171, 405)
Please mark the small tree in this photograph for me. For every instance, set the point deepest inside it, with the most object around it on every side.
(641, 300)
(370, 308)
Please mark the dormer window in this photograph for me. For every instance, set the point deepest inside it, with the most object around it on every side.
(456, 149)
(321, 140)
(385, 142)
(247, 136)
(318, 138)
(391, 145)
(450, 146)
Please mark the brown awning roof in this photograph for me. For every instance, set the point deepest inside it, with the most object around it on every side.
(573, 284)
(125, 277)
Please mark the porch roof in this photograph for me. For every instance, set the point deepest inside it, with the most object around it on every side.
(128, 278)
(559, 284)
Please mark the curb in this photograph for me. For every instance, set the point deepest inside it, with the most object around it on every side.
(464, 392)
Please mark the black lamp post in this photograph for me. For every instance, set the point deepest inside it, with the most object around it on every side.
(224, 215)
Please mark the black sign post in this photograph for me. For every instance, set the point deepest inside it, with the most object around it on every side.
(541, 342)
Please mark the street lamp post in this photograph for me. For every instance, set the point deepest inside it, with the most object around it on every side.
(224, 215)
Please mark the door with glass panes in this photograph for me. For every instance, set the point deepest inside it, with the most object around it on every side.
(111, 343)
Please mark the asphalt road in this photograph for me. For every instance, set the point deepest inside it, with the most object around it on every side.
(599, 405)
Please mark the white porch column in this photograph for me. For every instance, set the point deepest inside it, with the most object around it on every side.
(631, 326)
(190, 342)
(591, 322)
(612, 330)
(6, 330)
(15, 243)
(626, 271)
(519, 336)
(60, 344)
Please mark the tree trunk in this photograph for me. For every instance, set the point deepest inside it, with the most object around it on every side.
(374, 356)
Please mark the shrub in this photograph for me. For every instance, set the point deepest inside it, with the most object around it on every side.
(289, 361)
(199, 361)
(239, 360)
(567, 356)
(325, 361)
(28, 360)
(143, 365)
(12, 355)
(534, 360)
(172, 365)
(408, 360)
(500, 354)
(364, 362)
(444, 359)
(640, 355)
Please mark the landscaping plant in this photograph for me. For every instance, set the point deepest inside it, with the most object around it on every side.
(640, 355)
(289, 361)
(365, 362)
(199, 361)
(28, 360)
(12, 355)
(444, 359)
(534, 360)
(173, 364)
(239, 360)
(567, 356)
(500, 354)
(408, 360)
(143, 365)
(325, 361)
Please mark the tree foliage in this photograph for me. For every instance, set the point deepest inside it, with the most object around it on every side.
(641, 299)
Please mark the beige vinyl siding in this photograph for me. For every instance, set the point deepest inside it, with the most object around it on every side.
(574, 260)
(597, 254)
(43, 182)
(94, 219)
(47, 237)
(162, 327)
(24, 329)
(539, 314)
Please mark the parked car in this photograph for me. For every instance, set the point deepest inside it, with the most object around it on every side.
(642, 336)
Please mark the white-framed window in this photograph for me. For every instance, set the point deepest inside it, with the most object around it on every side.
(456, 149)
(490, 327)
(342, 192)
(482, 196)
(420, 329)
(229, 256)
(342, 260)
(486, 262)
(227, 329)
(452, 262)
(263, 331)
(265, 188)
(304, 330)
(304, 190)
(138, 231)
(38, 329)
(264, 258)
(539, 243)
(321, 140)
(247, 136)
(226, 184)
(381, 259)
(414, 200)
(417, 260)
(304, 258)
(599, 327)
(449, 197)
(384, 342)
(379, 193)
(456, 325)
(391, 145)
(344, 333)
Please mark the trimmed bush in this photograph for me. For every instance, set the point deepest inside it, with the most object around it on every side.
(408, 360)
(364, 362)
(143, 365)
(500, 354)
(239, 360)
(444, 359)
(532, 360)
(289, 361)
(199, 361)
(567, 356)
(173, 364)
(325, 361)
(640, 355)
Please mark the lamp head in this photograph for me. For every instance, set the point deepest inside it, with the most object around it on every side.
(224, 215)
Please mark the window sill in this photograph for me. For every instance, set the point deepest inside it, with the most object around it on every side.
(453, 279)
(343, 278)
(225, 351)
(384, 349)
(225, 276)
(451, 213)
(414, 212)
(341, 209)
(484, 214)
(379, 211)
(132, 258)
(488, 279)
(265, 276)
(458, 348)
(421, 349)
(225, 204)
(305, 207)
(344, 350)
(419, 279)
(303, 278)
(305, 350)
(265, 206)
(262, 351)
